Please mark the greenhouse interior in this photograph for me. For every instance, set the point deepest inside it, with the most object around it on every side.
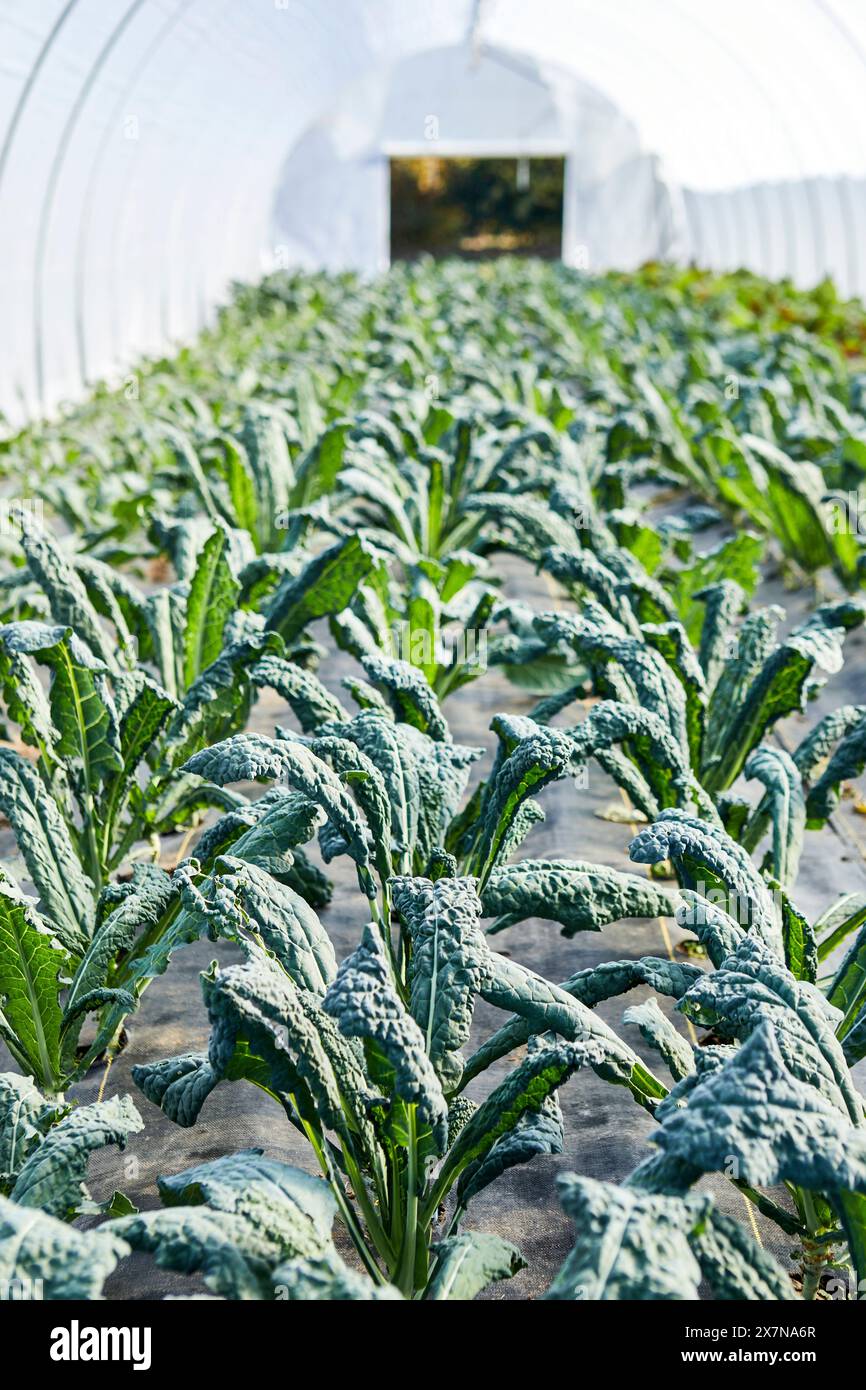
(432, 658)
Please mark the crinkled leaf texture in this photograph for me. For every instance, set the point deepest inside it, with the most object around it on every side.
(52, 1176)
(365, 1004)
(24, 1114)
(529, 756)
(708, 861)
(70, 1264)
(579, 896)
(44, 840)
(255, 758)
(235, 1220)
(786, 807)
(536, 1133)
(752, 986)
(630, 1244)
(448, 962)
(755, 1113)
(33, 966)
(467, 1263)
(735, 1266)
(327, 1278)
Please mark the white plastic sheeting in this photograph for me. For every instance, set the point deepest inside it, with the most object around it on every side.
(153, 150)
(451, 101)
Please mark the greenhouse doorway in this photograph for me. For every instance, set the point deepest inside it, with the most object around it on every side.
(476, 208)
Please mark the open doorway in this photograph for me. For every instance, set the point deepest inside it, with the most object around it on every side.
(476, 208)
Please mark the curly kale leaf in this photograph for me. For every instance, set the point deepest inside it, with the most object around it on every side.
(579, 896)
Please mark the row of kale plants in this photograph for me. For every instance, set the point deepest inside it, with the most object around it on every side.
(361, 456)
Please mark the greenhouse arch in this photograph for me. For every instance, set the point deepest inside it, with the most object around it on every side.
(432, 650)
(110, 179)
(332, 205)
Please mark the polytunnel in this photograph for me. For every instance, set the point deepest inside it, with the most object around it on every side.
(432, 650)
(154, 151)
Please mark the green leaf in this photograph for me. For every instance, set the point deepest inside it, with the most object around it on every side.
(44, 842)
(579, 896)
(537, 1132)
(588, 987)
(847, 991)
(644, 670)
(822, 739)
(317, 472)
(365, 1004)
(144, 715)
(144, 907)
(310, 702)
(213, 593)
(234, 1220)
(755, 1113)
(299, 1206)
(84, 715)
(671, 642)
(801, 955)
(838, 922)
(754, 987)
(651, 767)
(23, 696)
(284, 821)
(735, 1265)
(52, 1178)
(448, 960)
(723, 601)
(327, 1278)
(629, 1244)
(360, 773)
(325, 585)
(70, 1264)
(306, 1061)
(549, 1008)
(733, 562)
(23, 1114)
(529, 757)
(286, 924)
(708, 861)
(847, 762)
(580, 570)
(266, 449)
(32, 968)
(423, 623)
(254, 758)
(779, 688)
(412, 699)
(82, 718)
(467, 1263)
(659, 1033)
(218, 701)
(67, 596)
(178, 1085)
(785, 807)
(525, 1089)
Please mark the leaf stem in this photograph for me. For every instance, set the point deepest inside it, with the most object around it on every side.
(342, 1201)
(380, 1238)
(406, 1270)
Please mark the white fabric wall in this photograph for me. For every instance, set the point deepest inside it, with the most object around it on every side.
(332, 208)
(805, 228)
(142, 144)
